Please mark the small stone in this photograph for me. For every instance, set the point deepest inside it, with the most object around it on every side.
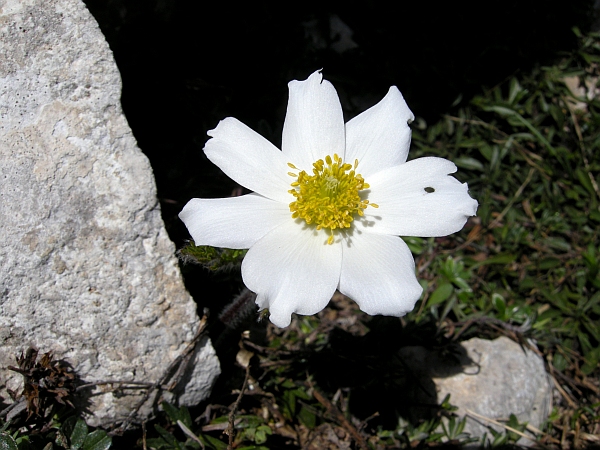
(493, 379)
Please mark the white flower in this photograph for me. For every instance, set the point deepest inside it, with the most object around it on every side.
(328, 209)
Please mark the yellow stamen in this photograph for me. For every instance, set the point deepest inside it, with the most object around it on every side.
(329, 198)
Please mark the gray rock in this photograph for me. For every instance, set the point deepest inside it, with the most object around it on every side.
(86, 267)
(492, 379)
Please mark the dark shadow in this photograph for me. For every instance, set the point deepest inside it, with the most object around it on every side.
(388, 371)
(187, 64)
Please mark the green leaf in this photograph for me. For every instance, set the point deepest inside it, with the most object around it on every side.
(514, 90)
(466, 162)
(97, 440)
(549, 263)
(288, 384)
(557, 243)
(503, 111)
(289, 404)
(415, 244)
(79, 434)
(301, 393)
(249, 421)
(7, 442)
(441, 294)
(592, 360)
(167, 437)
(509, 113)
(260, 437)
(213, 442)
(559, 362)
(500, 304)
(171, 411)
(503, 258)
(307, 417)
(186, 418)
(585, 181)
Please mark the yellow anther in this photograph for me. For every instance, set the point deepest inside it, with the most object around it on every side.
(329, 198)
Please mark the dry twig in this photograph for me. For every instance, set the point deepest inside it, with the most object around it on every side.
(231, 426)
(339, 417)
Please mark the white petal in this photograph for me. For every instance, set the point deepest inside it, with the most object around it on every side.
(249, 159)
(380, 137)
(378, 273)
(314, 122)
(407, 209)
(292, 269)
(234, 222)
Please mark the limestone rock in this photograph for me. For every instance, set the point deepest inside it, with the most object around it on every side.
(86, 267)
(493, 379)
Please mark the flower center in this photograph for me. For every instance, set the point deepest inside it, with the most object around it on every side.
(329, 197)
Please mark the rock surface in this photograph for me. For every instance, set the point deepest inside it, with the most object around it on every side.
(87, 270)
(492, 379)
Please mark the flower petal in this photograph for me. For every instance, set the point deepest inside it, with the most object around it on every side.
(249, 159)
(408, 208)
(292, 269)
(314, 122)
(378, 273)
(380, 137)
(234, 222)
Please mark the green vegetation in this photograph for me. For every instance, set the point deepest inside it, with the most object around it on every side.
(43, 415)
(526, 267)
(211, 258)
